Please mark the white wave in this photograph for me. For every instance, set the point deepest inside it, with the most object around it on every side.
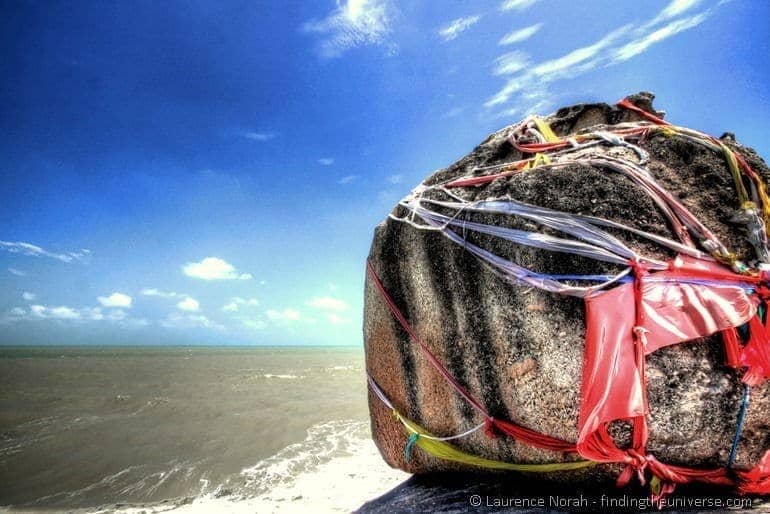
(107, 481)
(289, 377)
(344, 368)
(150, 404)
(335, 469)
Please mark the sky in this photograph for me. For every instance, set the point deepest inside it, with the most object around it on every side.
(211, 172)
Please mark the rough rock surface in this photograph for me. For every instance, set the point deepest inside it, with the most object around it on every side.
(459, 493)
(520, 350)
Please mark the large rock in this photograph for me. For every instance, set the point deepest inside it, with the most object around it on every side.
(520, 350)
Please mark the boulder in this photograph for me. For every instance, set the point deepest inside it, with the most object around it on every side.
(519, 350)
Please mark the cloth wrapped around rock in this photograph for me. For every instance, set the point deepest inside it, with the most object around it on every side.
(516, 273)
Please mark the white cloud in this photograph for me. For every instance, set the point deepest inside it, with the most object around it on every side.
(31, 250)
(396, 179)
(189, 304)
(332, 286)
(570, 64)
(519, 35)
(353, 23)
(675, 8)
(336, 319)
(28, 296)
(95, 313)
(452, 113)
(511, 62)
(347, 179)
(580, 55)
(115, 300)
(117, 315)
(214, 268)
(517, 5)
(325, 161)
(532, 101)
(641, 44)
(237, 301)
(328, 303)
(614, 48)
(177, 320)
(61, 312)
(17, 272)
(285, 315)
(258, 136)
(39, 312)
(457, 27)
(156, 292)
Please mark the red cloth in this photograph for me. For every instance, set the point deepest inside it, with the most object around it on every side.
(612, 387)
(669, 312)
(756, 353)
(678, 312)
(757, 479)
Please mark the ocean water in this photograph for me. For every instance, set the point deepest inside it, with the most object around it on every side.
(159, 429)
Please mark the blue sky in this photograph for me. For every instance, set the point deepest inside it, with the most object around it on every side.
(211, 172)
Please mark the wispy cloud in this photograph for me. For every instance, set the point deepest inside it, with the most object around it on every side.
(258, 136)
(531, 101)
(614, 48)
(115, 314)
(331, 309)
(674, 9)
(17, 272)
(177, 320)
(640, 45)
(574, 62)
(517, 5)
(347, 179)
(61, 312)
(396, 179)
(353, 23)
(161, 294)
(568, 62)
(457, 27)
(31, 250)
(214, 268)
(189, 304)
(336, 319)
(28, 296)
(511, 62)
(326, 161)
(115, 300)
(254, 324)
(328, 303)
(236, 302)
(453, 113)
(287, 316)
(519, 35)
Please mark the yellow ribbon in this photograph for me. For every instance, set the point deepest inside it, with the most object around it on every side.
(446, 451)
(545, 129)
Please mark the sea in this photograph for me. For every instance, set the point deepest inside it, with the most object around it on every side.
(186, 429)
